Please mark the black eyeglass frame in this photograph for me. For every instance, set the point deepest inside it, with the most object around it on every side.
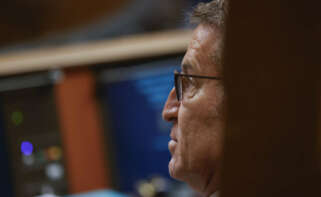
(178, 88)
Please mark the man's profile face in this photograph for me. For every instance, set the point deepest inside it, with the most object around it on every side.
(197, 119)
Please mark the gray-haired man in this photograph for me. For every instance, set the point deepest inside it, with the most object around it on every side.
(195, 105)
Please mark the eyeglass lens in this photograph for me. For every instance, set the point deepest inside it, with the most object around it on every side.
(178, 87)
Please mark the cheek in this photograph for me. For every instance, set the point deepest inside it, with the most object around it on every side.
(186, 125)
(200, 130)
(191, 133)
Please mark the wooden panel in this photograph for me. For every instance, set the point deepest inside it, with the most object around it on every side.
(132, 47)
(25, 20)
(71, 13)
(272, 77)
(82, 132)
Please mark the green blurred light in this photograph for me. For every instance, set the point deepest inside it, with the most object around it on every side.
(17, 118)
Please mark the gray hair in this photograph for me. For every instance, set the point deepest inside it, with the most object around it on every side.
(213, 13)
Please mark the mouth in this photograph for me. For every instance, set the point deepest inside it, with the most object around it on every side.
(172, 146)
(173, 138)
(173, 142)
(173, 133)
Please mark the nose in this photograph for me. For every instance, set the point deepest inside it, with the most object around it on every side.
(170, 111)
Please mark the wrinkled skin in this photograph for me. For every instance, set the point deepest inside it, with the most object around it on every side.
(198, 120)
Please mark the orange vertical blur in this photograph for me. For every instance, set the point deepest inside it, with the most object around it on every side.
(81, 132)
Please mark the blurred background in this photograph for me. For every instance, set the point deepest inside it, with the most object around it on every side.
(35, 23)
(94, 129)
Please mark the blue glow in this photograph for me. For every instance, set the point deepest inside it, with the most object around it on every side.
(156, 89)
(26, 148)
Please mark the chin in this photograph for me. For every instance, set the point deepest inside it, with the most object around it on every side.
(171, 168)
(179, 172)
(176, 169)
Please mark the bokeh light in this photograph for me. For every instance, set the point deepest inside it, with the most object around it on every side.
(26, 148)
(17, 118)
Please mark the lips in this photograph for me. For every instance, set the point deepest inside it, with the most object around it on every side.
(173, 142)
(172, 146)
(173, 133)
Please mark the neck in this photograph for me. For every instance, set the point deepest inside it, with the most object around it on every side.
(211, 186)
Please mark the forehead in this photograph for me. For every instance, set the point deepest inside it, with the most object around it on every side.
(200, 55)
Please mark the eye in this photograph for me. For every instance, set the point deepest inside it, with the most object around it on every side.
(186, 83)
(192, 82)
(189, 86)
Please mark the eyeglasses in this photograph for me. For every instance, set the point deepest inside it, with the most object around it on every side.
(179, 84)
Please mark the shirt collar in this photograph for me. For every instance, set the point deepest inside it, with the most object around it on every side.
(216, 194)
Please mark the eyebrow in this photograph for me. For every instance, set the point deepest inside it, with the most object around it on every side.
(186, 67)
